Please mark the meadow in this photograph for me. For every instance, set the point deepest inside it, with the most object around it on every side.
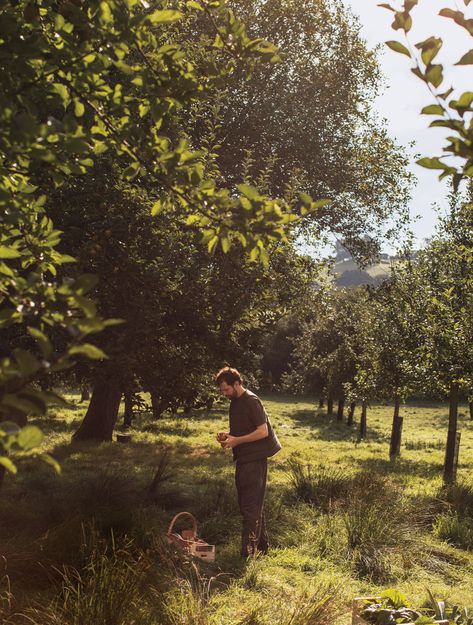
(86, 546)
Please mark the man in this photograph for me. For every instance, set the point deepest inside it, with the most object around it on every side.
(252, 441)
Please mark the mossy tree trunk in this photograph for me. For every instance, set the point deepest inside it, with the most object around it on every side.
(329, 406)
(396, 431)
(351, 413)
(364, 409)
(451, 452)
(128, 413)
(341, 408)
(102, 413)
(157, 405)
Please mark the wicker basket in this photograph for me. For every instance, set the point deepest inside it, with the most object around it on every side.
(357, 607)
(188, 539)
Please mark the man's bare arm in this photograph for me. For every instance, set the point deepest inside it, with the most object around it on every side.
(260, 432)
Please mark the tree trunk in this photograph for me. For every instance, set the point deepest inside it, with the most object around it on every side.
(351, 413)
(85, 395)
(449, 470)
(102, 413)
(321, 402)
(2, 475)
(157, 405)
(396, 431)
(362, 432)
(329, 406)
(341, 408)
(128, 414)
(470, 406)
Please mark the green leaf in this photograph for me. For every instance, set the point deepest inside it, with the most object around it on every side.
(432, 109)
(249, 191)
(26, 361)
(434, 75)
(212, 244)
(29, 437)
(396, 598)
(467, 59)
(51, 461)
(156, 208)
(85, 282)
(164, 16)
(9, 428)
(79, 108)
(8, 252)
(398, 47)
(194, 5)
(402, 21)
(89, 350)
(429, 49)
(431, 163)
(8, 464)
(225, 244)
(62, 91)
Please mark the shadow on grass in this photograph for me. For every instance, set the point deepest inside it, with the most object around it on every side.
(401, 466)
(329, 429)
(57, 425)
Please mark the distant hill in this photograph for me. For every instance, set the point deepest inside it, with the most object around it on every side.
(347, 272)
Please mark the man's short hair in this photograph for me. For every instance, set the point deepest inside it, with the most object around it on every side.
(228, 375)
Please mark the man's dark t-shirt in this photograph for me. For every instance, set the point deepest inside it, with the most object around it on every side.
(246, 414)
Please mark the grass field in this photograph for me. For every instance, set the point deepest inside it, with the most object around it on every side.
(343, 522)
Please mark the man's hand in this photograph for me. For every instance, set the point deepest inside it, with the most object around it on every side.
(221, 437)
(230, 441)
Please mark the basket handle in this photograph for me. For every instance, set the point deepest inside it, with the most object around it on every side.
(181, 514)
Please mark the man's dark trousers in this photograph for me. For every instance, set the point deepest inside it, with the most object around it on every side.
(250, 479)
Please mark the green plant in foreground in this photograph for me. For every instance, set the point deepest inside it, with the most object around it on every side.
(443, 611)
(107, 591)
(15, 439)
(393, 608)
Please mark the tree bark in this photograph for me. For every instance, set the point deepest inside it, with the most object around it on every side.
(396, 431)
(321, 402)
(341, 408)
(362, 431)
(102, 413)
(85, 395)
(470, 406)
(451, 452)
(128, 414)
(329, 406)
(351, 413)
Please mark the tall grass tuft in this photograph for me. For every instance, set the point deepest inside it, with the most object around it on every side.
(107, 591)
(454, 529)
(320, 605)
(319, 486)
(6, 598)
(459, 496)
(380, 529)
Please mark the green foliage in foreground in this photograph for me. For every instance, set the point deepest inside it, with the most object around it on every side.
(344, 522)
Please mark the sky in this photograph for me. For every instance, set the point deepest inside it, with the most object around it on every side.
(405, 95)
